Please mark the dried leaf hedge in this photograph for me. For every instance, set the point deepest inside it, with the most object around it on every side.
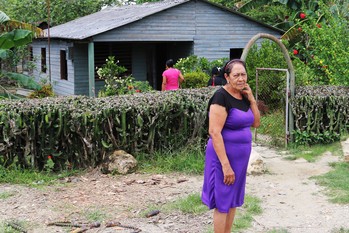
(321, 113)
(78, 131)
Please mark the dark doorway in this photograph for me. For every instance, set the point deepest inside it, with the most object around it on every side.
(161, 58)
(158, 53)
(235, 53)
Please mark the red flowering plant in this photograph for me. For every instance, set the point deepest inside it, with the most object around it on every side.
(49, 166)
(322, 46)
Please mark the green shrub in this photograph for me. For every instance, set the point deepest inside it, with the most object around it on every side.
(193, 63)
(195, 80)
(45, 91)
(116, 83)
(322, 45)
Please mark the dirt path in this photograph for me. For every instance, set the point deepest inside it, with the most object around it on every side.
(293, 202)
(290, 200)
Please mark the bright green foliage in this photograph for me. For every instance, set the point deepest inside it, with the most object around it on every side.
(23, 80)
(12, 34)
(110, 69)
(271, 84)
(197, 70)
(115, 83)
(322, 45)
(273, 15)
(195, 79)
(61, 11)
(193, 63)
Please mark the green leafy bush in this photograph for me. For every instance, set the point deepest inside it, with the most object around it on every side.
(195, 80)
(23, 80)
(115, 83)
(193, 63)
(45, 91)
(322, 45)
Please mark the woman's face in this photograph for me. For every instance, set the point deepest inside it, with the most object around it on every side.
(237, 78)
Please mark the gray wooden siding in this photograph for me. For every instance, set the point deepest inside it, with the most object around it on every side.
(175, 24)
(60, 87)
(218, 31)
(37, 45)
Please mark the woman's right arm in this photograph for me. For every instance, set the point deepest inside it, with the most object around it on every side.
(218, 115)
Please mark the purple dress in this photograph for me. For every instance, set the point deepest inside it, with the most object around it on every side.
(237, 139)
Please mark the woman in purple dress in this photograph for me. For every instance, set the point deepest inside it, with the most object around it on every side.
(232, 111)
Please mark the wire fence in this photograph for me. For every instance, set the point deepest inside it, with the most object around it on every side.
(272, 91)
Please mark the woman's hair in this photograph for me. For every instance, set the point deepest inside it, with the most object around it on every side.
(215, 71)
(169, 63)
(229, 65)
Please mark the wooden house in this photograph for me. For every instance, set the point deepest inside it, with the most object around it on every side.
(142, 37)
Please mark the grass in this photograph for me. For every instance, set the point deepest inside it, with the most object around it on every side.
(312, 153)
(95, 215)
(13, 227)
(30, 177)
(341, 230)
(192, 204)
(189, 205)
(244, 216)
(278, 231)
(336, 182)
(188, 160)
(272, 129)
(5, 195)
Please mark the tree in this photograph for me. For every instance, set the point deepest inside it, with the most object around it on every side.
(14, 33)
(61, 11)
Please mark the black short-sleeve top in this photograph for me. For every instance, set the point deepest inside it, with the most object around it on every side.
(223, 98)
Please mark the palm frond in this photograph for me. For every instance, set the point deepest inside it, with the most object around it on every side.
(7, 25)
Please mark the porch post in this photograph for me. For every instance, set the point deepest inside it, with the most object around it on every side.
(91, 69)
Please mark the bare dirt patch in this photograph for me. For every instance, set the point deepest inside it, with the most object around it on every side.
(290, 200)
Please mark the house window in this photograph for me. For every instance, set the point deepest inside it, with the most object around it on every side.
(43, 60)
(64, 65)
(235, 53)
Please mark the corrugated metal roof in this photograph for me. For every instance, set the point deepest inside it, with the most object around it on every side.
(114, 17)
(108, 19)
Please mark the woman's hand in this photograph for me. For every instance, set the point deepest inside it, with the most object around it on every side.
(246, 91)
(229, 175)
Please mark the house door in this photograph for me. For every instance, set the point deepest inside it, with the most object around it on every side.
(156, 60)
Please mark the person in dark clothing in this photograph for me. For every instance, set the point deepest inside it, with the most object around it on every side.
(217, 78)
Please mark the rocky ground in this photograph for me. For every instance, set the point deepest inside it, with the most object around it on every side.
(291, 201)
